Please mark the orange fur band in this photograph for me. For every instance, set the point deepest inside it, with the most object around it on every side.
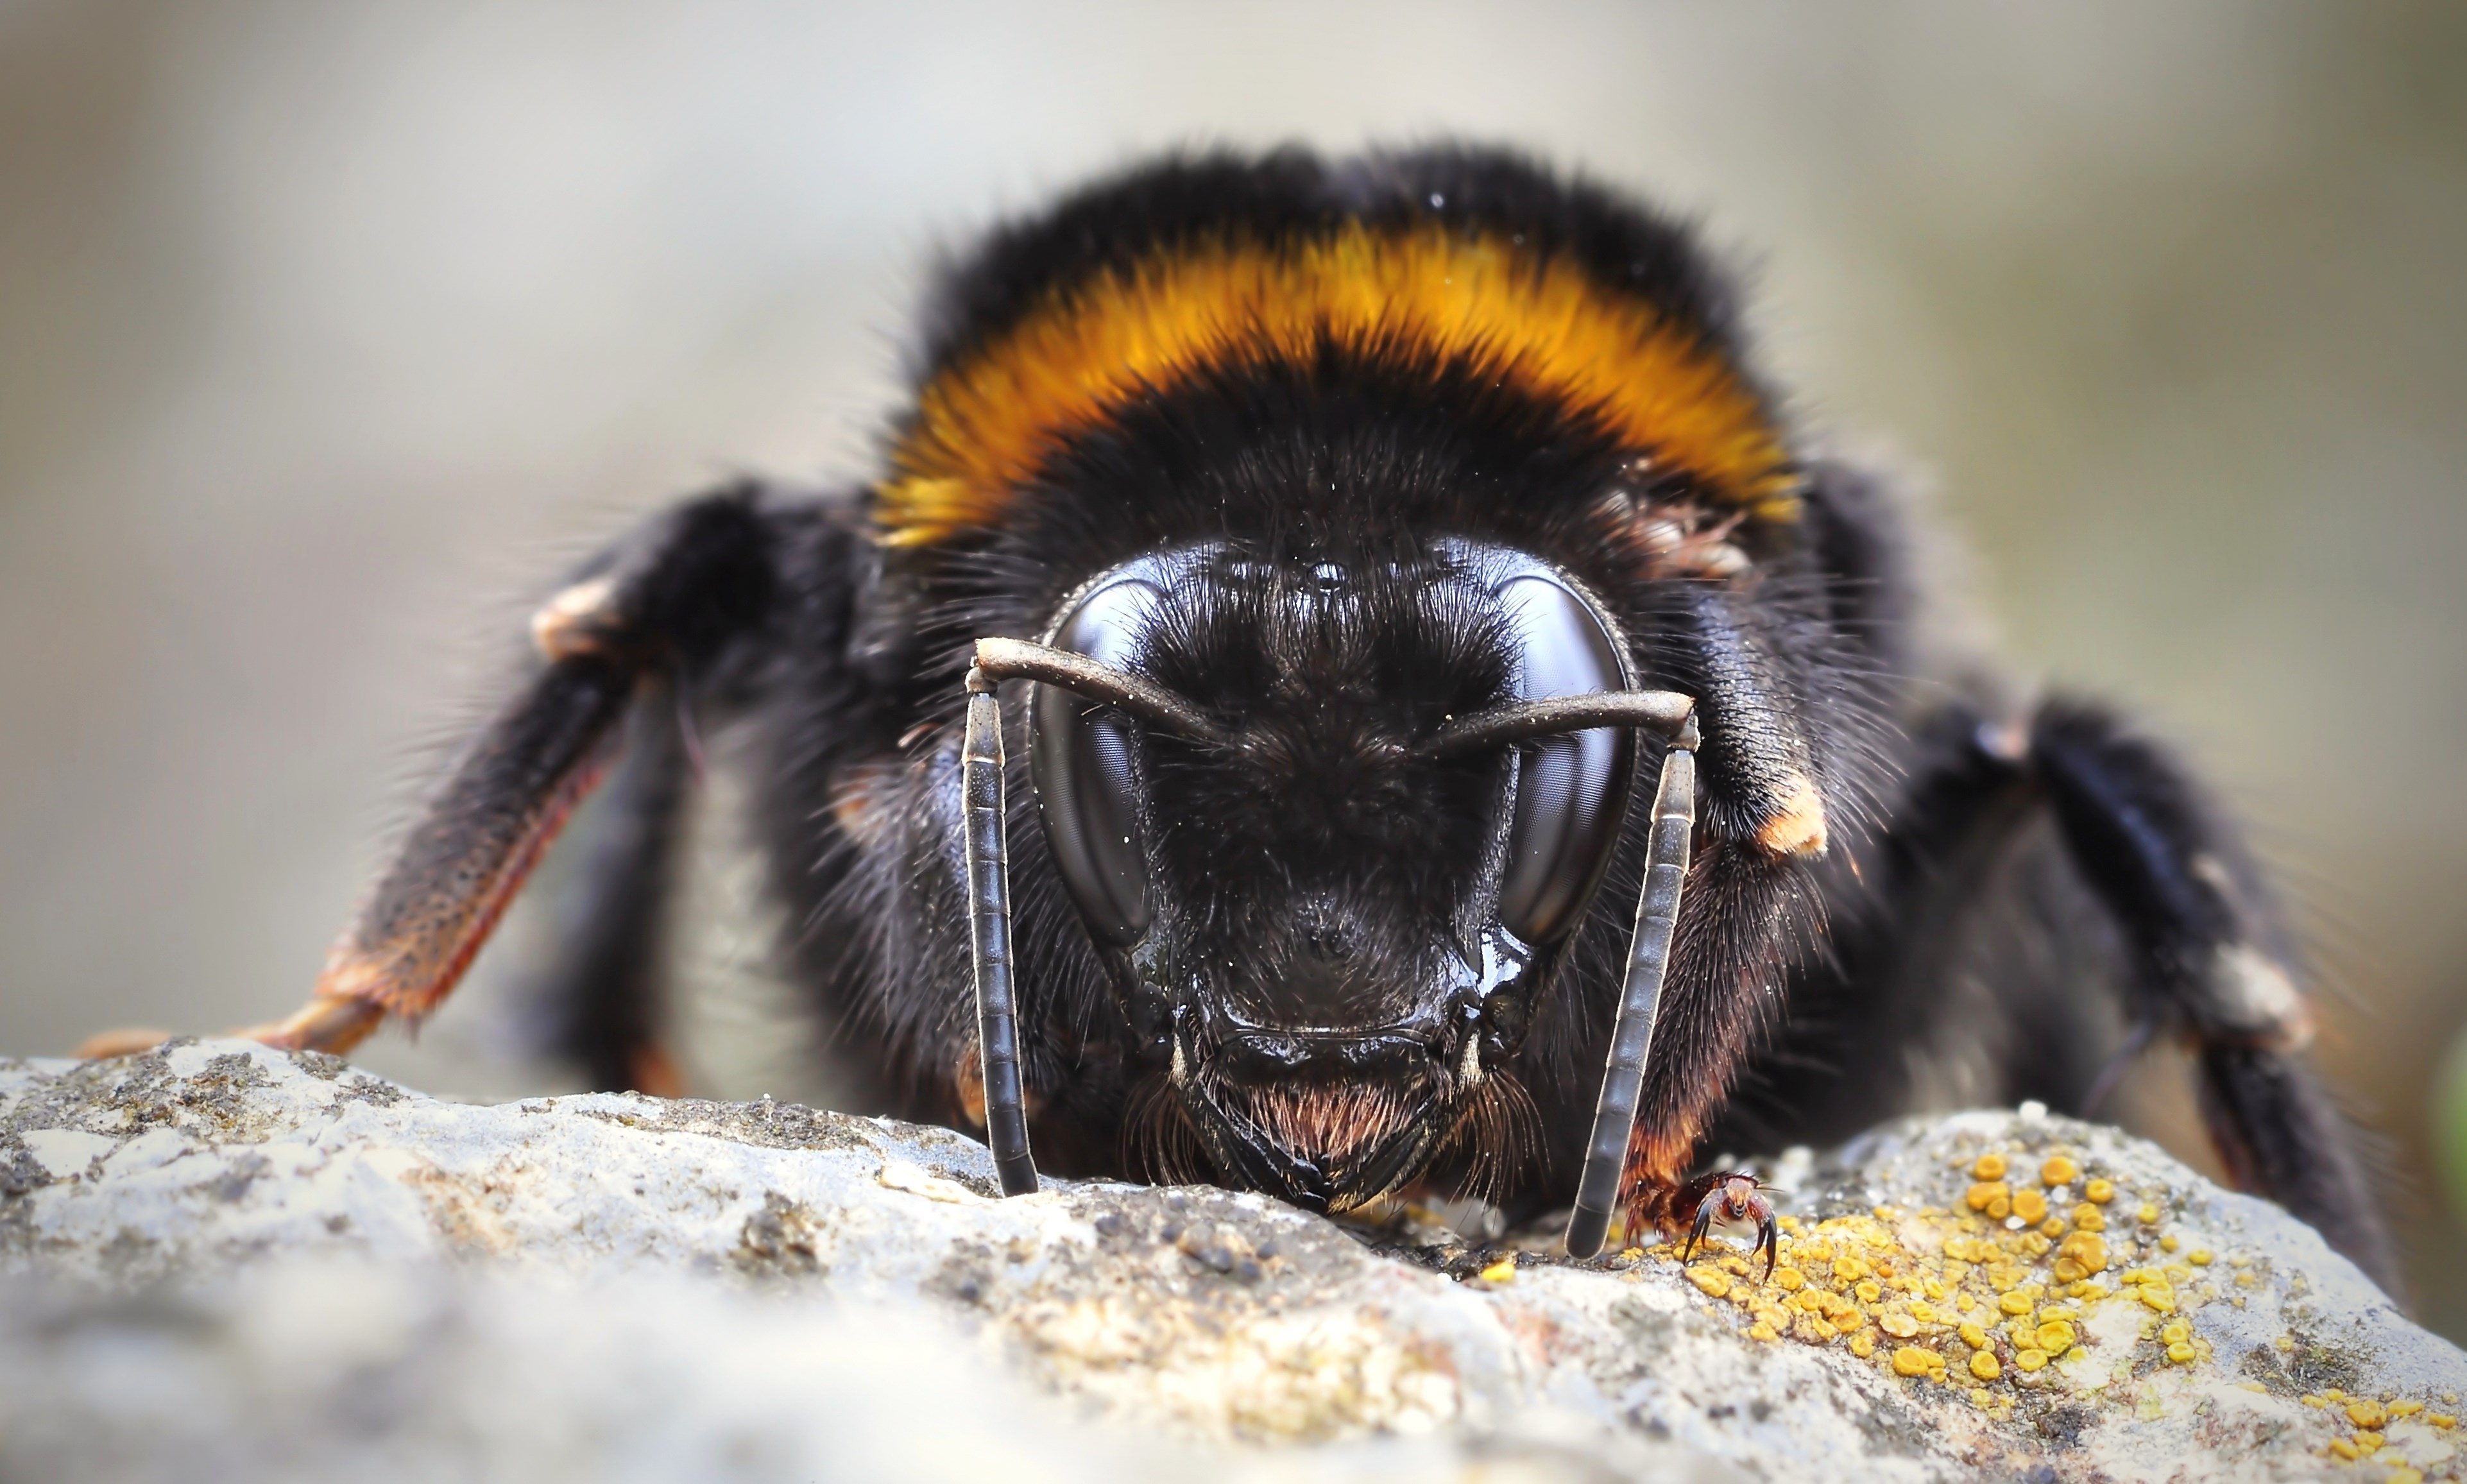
(1424, 297)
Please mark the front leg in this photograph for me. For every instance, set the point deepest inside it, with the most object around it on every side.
(662, 602)
(1722, 953)
(2212, 963)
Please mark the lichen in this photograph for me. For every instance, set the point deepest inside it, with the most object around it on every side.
(1944, 1308)
(2042, 1285)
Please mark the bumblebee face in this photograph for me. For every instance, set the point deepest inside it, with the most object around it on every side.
(1330, 934)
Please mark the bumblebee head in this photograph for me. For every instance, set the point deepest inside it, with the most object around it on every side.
(1329, 904)
(1335, 471)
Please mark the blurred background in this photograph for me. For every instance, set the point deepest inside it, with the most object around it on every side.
(328, 333)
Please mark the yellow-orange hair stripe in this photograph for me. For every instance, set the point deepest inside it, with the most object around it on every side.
(985, 424)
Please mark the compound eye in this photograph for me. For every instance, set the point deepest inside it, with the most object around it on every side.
(1571, 791)
(1085, 758)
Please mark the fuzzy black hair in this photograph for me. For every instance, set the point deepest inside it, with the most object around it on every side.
(1182, 199)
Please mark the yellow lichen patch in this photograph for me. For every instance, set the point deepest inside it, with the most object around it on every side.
(2345, 1450)
(2148, 1215)
(2082, 1254)
(1899, 1287)
(1503, 1271)
(2364, 1412)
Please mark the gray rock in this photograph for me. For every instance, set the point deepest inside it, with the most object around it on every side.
(225, 1261)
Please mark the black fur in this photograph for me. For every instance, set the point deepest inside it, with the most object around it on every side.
(601, 998)
(1313, 844)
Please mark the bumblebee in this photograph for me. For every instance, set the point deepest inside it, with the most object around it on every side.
(1347, 682)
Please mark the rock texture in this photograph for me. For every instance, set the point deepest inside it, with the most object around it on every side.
(226, 1261)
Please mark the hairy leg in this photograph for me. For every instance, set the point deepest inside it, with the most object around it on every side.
(666, 601)
(2212, 963)
(602, 993)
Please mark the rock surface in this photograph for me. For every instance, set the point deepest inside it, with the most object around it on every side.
(225, 1261)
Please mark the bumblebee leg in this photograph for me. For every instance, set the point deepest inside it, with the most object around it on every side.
(2210, 959)
(476, 838)
(121, 1041)
(1759, 782)
(2136, 1041)
(601, 993)
(665, 600)
(1752, 887)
